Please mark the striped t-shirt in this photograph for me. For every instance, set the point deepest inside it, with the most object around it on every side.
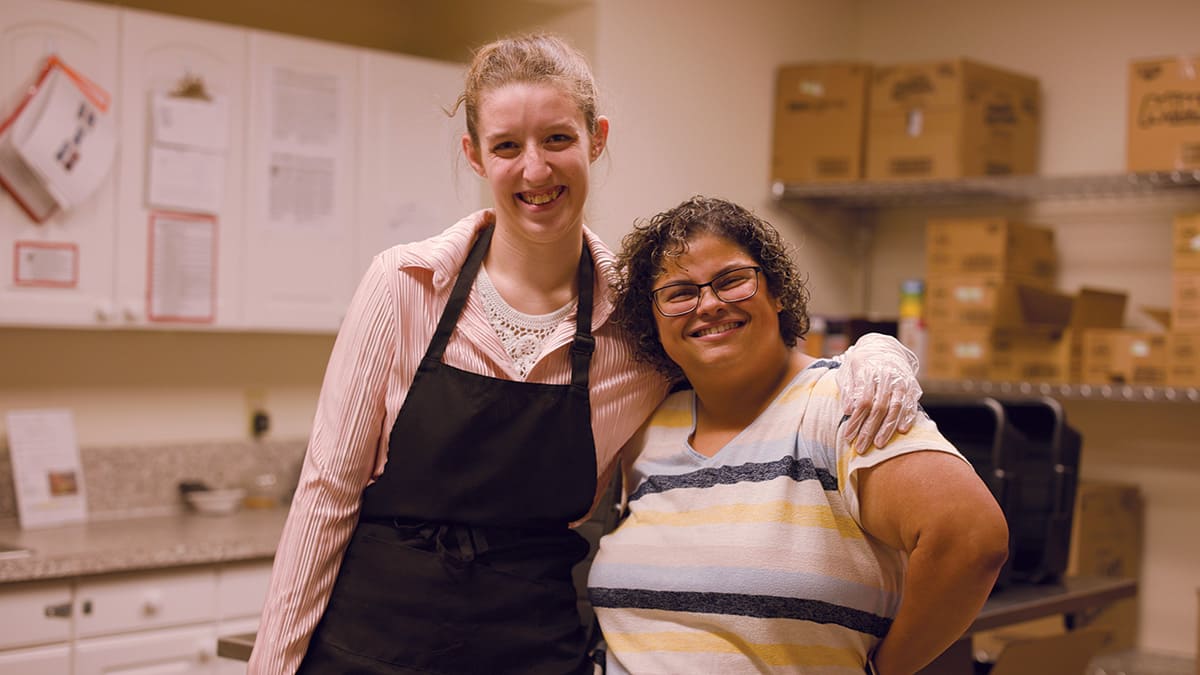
(752, 560)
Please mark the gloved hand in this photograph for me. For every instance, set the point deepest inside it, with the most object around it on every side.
(878, 380)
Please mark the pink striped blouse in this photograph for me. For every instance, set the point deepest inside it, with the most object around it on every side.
(387, 327)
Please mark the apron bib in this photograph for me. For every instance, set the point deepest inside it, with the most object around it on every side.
(461, 560)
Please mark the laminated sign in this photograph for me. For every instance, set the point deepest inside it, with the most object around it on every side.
(57, 146)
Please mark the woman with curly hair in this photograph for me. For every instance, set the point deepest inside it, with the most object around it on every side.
(756, 539)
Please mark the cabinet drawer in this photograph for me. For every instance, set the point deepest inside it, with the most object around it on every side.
(148, 600)
(54, 660)
(180, 651)
(35, 613)
(242, 589)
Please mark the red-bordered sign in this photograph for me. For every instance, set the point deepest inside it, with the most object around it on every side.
(185, 311)
(24, 275)
(92, 91)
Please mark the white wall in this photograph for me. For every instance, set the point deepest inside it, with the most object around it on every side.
(689, 86)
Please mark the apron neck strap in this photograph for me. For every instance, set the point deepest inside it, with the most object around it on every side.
(583, 344)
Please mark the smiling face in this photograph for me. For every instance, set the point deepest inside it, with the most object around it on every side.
(535, 152)
(729, 337)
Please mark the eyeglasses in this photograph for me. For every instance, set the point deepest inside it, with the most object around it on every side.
(682, 298)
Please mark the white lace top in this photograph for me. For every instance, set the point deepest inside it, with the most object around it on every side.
(521, 334)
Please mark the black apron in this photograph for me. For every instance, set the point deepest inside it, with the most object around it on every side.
(461, 560)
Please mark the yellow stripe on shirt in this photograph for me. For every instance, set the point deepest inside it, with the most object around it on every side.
(720, 642)
(819, 515)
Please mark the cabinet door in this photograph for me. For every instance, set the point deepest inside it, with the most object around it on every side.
(85, 37)
(35, 613)
(55, 660)
(157, 53)
(180, 651)
(120, 603)
(413, 181)
(300, 172)
(242, 589)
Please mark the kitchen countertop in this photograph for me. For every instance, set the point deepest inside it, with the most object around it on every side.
(148, 543)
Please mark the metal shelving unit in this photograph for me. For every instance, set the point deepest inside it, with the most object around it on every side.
(1090, 392)
(874, 194)
(867, 194)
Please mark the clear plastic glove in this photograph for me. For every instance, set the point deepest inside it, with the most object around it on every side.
(878, 379)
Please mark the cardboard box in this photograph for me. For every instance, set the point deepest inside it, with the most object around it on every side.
(966, 353)
(820, 122)
(951, 119)
(1164, 115)
(1185, 254)
(1115, 356)
(1183, 359)
(1047, 347)
(1185, 301)
(990, 246)
(1106, 540)
(985, 301)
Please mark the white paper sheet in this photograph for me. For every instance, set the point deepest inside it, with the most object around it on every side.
(303, 154)
(47, 472)
(183, 268)
(185, 179)
(190, 123)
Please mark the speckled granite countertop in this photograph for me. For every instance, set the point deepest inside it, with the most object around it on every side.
(147, 543)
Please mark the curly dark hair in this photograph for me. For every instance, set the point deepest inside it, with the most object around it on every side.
(667, 235)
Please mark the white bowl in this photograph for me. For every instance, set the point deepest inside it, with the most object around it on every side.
(216, 502)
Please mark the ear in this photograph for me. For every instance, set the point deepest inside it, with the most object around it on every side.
(600, 138)
(472, 155)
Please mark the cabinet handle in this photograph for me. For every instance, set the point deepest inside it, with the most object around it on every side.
(62, 611)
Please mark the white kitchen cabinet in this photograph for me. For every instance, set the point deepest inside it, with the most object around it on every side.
(178, 651)
(138, 601)
(85, 37)
(300, 236)
(35, 613)
(156, 53)
(53, 660)
(413, 181)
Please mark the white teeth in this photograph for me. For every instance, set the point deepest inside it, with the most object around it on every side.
(538, 199)
(716, 329)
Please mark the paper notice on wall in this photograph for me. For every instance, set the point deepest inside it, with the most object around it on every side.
(183, 263)
(190, 122)
(47, 474)
(301, 191)
(51, 264)
(185, 179)
(303, 156)
(186, 166)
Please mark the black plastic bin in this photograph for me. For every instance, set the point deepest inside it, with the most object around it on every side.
(1048, 465)
(979, 428)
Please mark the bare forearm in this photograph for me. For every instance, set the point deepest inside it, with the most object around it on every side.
(944, 590)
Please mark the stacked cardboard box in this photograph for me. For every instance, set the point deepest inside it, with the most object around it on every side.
(1106, 540)
(1164, 115)
(991, 309)
(1157, 358)
(841, 121)
(951, 119)
(1183, 340)
(820, 122)
(974, 268)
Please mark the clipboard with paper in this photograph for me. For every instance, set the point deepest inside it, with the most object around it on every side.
(58, 145)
